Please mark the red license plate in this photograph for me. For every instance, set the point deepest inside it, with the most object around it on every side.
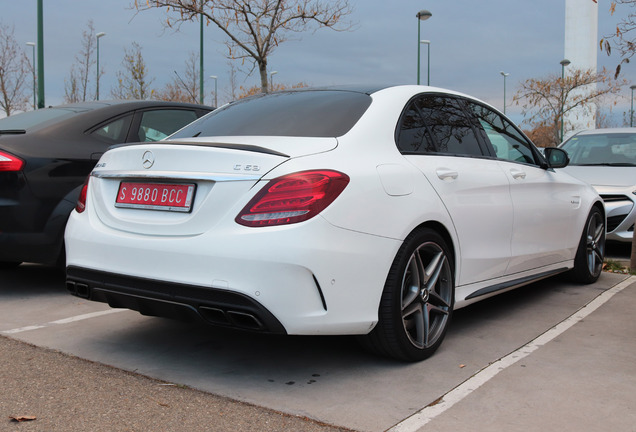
(156, 196)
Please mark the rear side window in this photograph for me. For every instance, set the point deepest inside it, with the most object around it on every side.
(313, 113)
(114, 132)
(437, 124)
(158, 124)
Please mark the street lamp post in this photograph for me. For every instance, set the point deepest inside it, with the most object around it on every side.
(98, 36)
(271, 79)
(32, 44)
(422, 15)
(201, 59)
(40, 12)
(428, 68)
(216, 103)
(504, 74)
(631, 112)
(564, 63)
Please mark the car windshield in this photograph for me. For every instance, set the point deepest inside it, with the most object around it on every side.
(317, 113)
(32, 119)
(614, 149)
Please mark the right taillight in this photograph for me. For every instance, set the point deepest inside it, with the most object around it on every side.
(81, 200)
(293, 198)
(9, 162)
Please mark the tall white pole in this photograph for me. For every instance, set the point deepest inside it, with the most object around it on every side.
(581, 48)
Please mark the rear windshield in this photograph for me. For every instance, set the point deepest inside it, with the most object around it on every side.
(30, 119)
(315, 113)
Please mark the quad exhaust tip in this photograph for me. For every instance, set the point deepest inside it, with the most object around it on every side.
(77, 288)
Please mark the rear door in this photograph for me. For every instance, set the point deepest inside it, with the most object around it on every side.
(437, 136)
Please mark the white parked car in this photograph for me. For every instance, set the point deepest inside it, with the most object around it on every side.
(606, 158)
(371, 212)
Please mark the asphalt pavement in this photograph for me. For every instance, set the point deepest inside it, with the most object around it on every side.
(579, 375)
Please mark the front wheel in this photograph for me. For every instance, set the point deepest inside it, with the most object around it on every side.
(417, 301)
(588, 263)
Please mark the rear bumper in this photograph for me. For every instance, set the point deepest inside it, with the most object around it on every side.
(309, 278)
(172, 300)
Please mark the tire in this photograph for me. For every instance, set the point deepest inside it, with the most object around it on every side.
(588, 262)
(417, 302)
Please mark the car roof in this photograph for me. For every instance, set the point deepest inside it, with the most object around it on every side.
(605, 131)
(86, 114)
(91, 105)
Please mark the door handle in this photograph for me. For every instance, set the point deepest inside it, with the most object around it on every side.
(446, 174)
(517, 174)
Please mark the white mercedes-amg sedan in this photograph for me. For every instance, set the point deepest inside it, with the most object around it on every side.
(361, 211)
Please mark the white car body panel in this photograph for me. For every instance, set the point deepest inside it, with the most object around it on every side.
(601, 176)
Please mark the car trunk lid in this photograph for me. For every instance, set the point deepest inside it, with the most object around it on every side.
(219, 174)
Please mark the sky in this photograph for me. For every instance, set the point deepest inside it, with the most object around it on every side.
(471, 43)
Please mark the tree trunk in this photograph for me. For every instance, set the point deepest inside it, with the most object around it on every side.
(262, 68)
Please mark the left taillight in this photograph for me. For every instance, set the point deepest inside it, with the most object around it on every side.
(293, 198)
(81, 200)
(9, 162)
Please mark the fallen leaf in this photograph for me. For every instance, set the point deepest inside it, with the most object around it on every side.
(22, 418)
(462, 365)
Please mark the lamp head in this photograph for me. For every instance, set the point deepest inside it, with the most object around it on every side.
(424, 15)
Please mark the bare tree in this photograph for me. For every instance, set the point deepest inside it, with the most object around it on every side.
(183, 88)
(254, 28)
(250, 91)
(77, 84)
(622, 38)
(541, 135)
(14, 73)
(546, 101)
(133, 82)
(71, 87)
(233, 91)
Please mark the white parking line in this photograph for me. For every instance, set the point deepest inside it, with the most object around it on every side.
(62, 321)
(428, 413)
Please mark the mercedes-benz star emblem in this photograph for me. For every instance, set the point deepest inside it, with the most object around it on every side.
(148, 159)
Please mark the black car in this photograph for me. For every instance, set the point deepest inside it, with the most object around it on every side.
(45, 156)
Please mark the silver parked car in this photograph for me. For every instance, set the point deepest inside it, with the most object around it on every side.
(606, 158)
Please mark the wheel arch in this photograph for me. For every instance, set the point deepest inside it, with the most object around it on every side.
(56, 225)
(599, 204)
(446, 235)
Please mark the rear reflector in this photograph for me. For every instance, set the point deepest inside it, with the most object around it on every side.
(293, 198)
(10, 163)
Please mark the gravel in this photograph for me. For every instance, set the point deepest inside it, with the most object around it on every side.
(65, 393)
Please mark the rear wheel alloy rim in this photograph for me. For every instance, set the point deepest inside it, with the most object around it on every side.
(595, 244)
(426, 295)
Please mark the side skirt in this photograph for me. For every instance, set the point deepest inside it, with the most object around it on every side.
(514, 283)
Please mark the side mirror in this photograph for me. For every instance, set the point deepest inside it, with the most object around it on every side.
(556, 157)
